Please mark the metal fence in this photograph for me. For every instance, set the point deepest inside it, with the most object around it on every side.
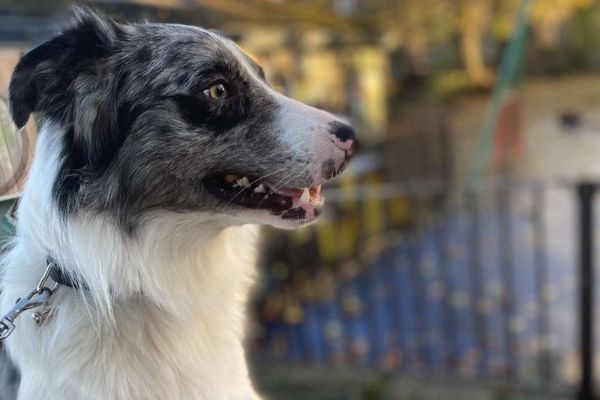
(421, 279)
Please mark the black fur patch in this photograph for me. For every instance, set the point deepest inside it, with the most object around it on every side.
(44, 77)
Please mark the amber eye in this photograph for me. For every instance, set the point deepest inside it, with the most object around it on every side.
(216, 92)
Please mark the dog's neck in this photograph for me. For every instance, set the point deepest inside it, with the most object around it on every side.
(171, 256)
(184, 279)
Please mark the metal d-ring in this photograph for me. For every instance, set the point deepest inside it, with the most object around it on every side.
(41, 284)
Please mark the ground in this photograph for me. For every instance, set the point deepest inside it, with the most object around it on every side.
(297, 382)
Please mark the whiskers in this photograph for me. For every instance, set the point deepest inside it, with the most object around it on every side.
(272, 188)
(282, 182)
(251, 183)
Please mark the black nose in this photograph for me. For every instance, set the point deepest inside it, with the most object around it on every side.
(342, 131)
(345, 135)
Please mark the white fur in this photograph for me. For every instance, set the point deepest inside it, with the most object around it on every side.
(164, 317)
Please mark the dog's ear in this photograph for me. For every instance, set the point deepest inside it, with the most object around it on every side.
(45, 78)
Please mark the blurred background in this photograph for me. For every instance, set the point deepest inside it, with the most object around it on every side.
(451, 262)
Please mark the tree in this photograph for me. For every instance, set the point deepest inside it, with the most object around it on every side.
(414, 25)
(474, 18)
(548, 16)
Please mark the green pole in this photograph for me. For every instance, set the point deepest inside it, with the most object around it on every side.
(509, 65)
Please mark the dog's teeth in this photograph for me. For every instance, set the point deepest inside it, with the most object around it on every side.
(260, 189)
(243, 182)
(305, 197)
(231, 178)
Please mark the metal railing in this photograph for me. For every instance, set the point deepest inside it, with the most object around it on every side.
(467, 283)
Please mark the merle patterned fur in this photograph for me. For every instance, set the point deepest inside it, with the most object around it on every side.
(138, 126)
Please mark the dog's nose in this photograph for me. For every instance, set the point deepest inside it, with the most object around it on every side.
(343, 136)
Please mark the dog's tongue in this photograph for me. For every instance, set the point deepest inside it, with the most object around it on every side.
(290, 192)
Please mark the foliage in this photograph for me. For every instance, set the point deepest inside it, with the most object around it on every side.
(415, 26)
(421, 24)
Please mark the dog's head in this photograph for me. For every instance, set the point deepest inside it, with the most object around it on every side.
(173, 117)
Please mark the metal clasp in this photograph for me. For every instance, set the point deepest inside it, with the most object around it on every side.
(37, 297)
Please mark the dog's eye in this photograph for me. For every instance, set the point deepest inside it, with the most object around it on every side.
(216, 92)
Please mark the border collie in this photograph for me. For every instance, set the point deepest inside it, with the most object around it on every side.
(162, 146)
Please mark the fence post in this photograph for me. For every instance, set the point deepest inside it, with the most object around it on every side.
(585, 193)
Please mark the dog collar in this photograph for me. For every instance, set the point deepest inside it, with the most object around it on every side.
(58, 275)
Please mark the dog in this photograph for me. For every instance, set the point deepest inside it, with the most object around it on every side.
(162, 148)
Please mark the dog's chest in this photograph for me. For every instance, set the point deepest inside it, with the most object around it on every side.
(189, 347)
(143, 359)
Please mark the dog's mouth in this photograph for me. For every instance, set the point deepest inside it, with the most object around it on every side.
(302, 204)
